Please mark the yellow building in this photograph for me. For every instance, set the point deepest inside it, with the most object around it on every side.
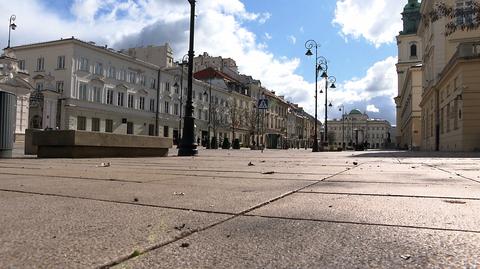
(409, 70)
(451, 81)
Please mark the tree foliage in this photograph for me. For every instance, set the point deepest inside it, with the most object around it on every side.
(464, 18)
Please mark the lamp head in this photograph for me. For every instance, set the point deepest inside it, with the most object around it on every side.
(333, 86)
(324, 75)
(13, 26)
(330, 105)
(309, 52)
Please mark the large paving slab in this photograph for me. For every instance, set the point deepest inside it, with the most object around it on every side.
(257, 242)
(54, 232)
(395, 211)
(448, 190)
(199, 193)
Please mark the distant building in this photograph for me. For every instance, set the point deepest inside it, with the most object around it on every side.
(356, 128)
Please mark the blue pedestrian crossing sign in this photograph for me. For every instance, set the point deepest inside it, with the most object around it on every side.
(263, 104)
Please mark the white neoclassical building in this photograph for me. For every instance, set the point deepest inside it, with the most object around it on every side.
(356, 128)
(82, 86)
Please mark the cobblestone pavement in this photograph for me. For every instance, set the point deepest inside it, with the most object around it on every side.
(242, 209)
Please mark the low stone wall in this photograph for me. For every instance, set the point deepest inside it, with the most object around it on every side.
(82, 144)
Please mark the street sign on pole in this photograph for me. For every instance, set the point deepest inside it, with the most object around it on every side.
(263, 104)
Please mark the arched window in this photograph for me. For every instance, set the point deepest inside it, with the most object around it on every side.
(413, 50)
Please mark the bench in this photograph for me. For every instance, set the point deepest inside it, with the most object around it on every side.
(83, 144)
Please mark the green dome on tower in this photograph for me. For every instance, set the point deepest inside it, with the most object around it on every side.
(411, 17)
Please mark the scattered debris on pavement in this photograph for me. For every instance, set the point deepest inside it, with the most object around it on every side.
(179, 193)
(262, 161)
(135, 199)
(103, 165)
(268, 173)
(185, 245)
(179, 227)
(405, 257)
(355, 163)
(250, 164)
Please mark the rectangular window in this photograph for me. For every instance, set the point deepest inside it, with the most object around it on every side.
(95, 125)
(167, 86)
(132, 77)
(111, 72)
(152, 105)
(39, 86)
(167, 106)
(151, 130)
(61, 62)
(109, 126)
(448, 117)
(199, 114)
(205, 115)
(41, 64)
(120, 100)
(98, 69)
(165, 131)
(110, 97)
(122, 75)
(84, 64)
(59, 86)
(141, 103)
(175, 109)
(129, 127)
(130, 101)
(81, 123)
(176, 89)
(200, 96)
(97, 94)
(153, 83)
(82, 92)
(21, 64)
(142, 80)
(193, 94)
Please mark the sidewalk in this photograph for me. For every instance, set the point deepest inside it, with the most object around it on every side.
(242, 209)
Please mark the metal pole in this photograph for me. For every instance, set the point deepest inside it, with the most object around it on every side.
(315, 142)
(343, 128)
(188, 146)
(326, 111)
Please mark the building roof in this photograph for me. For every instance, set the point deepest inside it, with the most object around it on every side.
(91, 45)
(355, 112)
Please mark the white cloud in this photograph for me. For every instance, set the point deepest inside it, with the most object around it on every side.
(374, 90)
(378, 21)
(268, 36)
(372, 108)
(292, 39)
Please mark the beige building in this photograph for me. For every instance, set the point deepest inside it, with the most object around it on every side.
(356, 128)
(82, 86)
(409, 70)
(451, 81)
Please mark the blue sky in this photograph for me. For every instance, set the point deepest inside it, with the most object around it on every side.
(265, 37)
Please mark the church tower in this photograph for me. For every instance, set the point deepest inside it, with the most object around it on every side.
(409, 70)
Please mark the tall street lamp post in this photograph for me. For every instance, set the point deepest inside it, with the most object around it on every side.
(188, 146)
(328, 80)
(11, 26)
(309, 45)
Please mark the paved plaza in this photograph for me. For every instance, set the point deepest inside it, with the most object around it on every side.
(242, 209)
